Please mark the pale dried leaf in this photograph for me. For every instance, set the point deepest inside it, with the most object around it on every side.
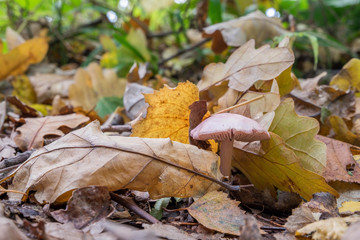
(88, 157)
(32, 133)
(252, 26)
(248, 65)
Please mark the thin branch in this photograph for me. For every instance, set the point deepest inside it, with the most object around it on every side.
(133, 207)
(116, 128)
(185, 50)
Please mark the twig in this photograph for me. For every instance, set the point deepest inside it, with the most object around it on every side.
(116, 128)
(133, 207)
(268, 221)
(20, 158)
(185, 50)
(271, 228)
(240, 104)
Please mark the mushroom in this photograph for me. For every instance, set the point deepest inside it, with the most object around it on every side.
(225, 128)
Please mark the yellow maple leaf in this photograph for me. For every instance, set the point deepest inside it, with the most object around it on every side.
(20, 58)
(168, 113)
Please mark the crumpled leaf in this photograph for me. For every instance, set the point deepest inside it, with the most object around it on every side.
(340, 165)
(20, 58)
(217, 212)
(31, 134)
(349, 76)
(298, 134)
(93, 83)
(342, 132)
(276, 165)
(168, 113)
(332, 228)
(88, 157)
(247, 65)
(236, 32)
(86, 206)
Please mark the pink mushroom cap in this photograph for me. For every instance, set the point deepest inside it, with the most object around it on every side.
(228, 126)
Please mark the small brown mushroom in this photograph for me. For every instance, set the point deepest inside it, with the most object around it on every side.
(225, 128)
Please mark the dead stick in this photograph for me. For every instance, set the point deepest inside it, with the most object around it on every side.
(20, 158)
(133, 207)
(116, 128)
(185, 50)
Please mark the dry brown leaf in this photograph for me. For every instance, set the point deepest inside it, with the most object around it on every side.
(340, 165)
(247, 65)
(217, 212)
(88, 157)
(32, 133)
(236, 32)
(93, 83)
(86, 206)
(47, 86)
(13, 39)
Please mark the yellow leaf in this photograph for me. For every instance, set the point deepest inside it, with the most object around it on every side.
(286, 81)
(299, 133)
(342, 131)
(23, 89)
(20, 58)
(168, 113)
(349, 76)
(349, 207)
(88, 157)
(276, 165)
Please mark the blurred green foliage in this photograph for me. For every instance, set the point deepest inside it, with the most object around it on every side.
(323, 23)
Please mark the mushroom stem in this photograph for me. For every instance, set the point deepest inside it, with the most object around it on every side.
(226, 150)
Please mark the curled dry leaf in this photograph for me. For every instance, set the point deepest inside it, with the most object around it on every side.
(276, 165)
(88, 157)
(31, 134)
(134, 101)
(85, 207)
(236, 32)
(248, 65)
(168, 113)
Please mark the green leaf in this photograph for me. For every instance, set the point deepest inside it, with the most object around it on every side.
(157, 210)
(107, 105)
(215, 11)
(298, 133)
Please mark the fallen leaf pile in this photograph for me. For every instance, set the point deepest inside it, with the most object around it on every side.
(111, 147)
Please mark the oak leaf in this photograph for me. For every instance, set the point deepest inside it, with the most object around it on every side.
(32, 133)
(299, 133)
(21, 57)
(88, 157)
(276, 165)
(340, 165)
(247, 65)
(168, 113)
